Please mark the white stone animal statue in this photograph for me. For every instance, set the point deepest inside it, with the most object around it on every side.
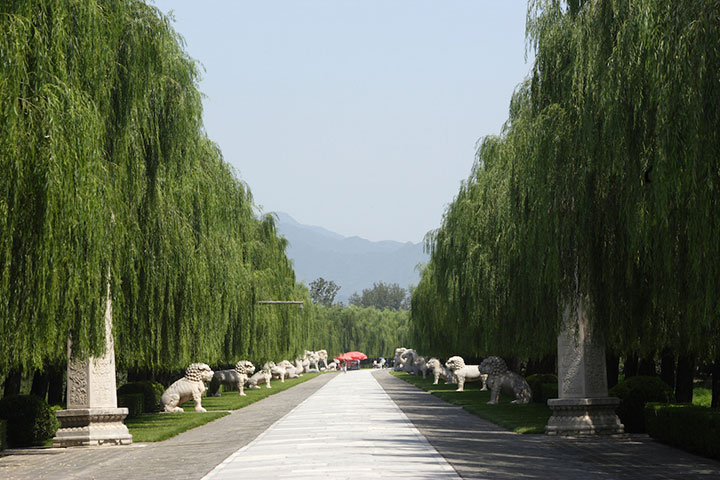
(398, 362)
(465, 373)
(277, 371)
(420, 366)
(290, 370)
(408, 360)
(313, 359)
(262, 375)
(299, 366)
(332, 366)
(323, 356)
(244, 369)
(501, 380)
(191, 386)
(439, 371)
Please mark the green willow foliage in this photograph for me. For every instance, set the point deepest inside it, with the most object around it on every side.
(604, 184)
(108, 175)
(375, 332)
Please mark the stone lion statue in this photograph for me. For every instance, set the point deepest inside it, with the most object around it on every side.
(501, 380)
(465, 373)
(332, 366)
(398, 361)
(191, 386)
(439, 371)
(263, 375)
(407, 358)
(244, 369)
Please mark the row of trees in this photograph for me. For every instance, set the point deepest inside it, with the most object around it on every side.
(603, 186)
(108, 177)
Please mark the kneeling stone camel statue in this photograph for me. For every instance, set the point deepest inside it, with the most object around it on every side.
(191, 386)
(502, 380)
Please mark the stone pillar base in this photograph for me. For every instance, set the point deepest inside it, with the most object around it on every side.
(92, 427)
(584, 416)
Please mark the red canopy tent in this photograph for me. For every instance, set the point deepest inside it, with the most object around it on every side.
(350, 356)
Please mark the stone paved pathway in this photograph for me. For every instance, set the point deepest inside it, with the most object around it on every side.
(349, 429)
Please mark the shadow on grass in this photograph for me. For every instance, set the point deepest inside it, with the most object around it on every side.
(530, 418)
(156, 427)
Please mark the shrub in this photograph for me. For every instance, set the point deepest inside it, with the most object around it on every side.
(152, 393)
(134, 403)
(3, 434)
(634, 393)
(30, 420)
(543, 386)
(689, 427)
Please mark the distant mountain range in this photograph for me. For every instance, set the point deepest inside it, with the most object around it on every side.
(353, 263)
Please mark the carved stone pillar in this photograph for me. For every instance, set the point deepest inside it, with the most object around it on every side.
(92, 416)
(584, 406)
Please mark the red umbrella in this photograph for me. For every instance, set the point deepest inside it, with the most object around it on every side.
(350, 356)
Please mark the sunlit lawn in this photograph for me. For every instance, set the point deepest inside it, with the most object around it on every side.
(155, 427)
(702, 397)
(530, 418)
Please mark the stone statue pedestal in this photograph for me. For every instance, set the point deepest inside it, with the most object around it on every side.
(584, 406)
(92, 416)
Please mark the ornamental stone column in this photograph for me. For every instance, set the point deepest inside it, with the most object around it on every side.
(584, 406)
(92, 416)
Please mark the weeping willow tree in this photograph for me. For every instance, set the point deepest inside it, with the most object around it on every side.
(108, 176)
(603, 184)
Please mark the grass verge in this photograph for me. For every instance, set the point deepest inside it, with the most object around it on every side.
(156, 427)
(530, 418)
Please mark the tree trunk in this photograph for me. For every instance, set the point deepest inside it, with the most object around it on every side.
(56, 385)
(715, 403)
(646, 367)
(684, 379)
(667, 367)
(12, 383)
(631, 366)
(40, 383)
(612, 365)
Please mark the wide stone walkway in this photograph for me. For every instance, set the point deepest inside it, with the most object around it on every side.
(349, 429)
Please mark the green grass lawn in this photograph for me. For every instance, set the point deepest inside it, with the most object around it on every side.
(156, 427)
(530, 418)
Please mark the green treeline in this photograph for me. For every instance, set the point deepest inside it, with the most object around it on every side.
(603, 186)
(108, 177)
(375, 332)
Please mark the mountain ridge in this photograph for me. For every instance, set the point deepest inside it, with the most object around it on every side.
(353, 263)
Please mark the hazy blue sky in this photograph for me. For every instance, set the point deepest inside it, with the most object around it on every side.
(358, 116)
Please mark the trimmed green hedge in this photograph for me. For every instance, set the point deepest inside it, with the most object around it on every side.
(689, 427)
(30, 420)
(151, 391)
(3, 434)
(543, 386)
(134, 403)
(634, 393)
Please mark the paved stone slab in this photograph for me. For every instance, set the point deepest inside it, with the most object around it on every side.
(189, 455)
(348, 429)
(479, 449)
